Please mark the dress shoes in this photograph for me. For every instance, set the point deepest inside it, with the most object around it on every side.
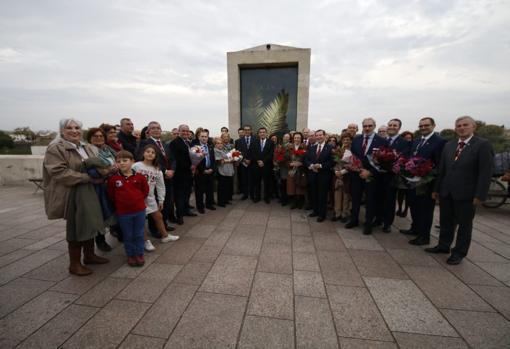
(169, 228)
(407, 232)
(419, 241)
(267, 201)
(376, 223)
(437, 249)
(335, 218)
(190, 214)
(386, 229)
(320, 219)
(191, 207)
(244, 197)
(221, 205)
(351, 225)
(367, 230)
(212, 208)
(454, 259)
(313, 214)
(255, 200)
(180, 221)
(201, 210)
(344, 219)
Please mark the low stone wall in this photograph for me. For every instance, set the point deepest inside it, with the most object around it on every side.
(17, 169)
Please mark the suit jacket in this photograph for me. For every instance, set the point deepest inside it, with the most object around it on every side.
(128, 142)
(432, 148)
(266, 155)
(357, 150)
(165, 161)
(241, 145)
(469, 177)
(402, 146)
(212, 161)
(325, 158)
(180, 152)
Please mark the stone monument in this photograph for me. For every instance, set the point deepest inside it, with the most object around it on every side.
(268, 86)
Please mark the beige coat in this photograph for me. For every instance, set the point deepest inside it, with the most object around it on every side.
(61, 171)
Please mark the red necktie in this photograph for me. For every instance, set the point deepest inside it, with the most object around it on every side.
(319, 150)
(158, 142)
(364, 146)
(460, 146)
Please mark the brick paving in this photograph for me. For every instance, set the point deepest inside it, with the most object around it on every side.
(253, 276)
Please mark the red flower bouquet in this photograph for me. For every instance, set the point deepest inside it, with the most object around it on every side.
(298, 152)
(416, 171)
(383, 158)
(280, 154)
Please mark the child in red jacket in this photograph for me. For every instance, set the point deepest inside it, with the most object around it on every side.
(128, 191)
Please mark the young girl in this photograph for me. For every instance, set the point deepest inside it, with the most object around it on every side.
(128, 190)
(149, 168)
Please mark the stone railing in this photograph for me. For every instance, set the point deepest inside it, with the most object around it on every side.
(18, 169)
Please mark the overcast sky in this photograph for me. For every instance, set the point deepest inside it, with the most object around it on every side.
(166, 60)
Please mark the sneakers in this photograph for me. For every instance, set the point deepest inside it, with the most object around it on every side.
(149, 246)
(169, 238)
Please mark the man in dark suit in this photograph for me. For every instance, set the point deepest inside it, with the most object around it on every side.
(126, 137)
(165, 161)
(245, 167)
(183, 176)
(204, 175)
(428, 146)
(369, 179)
(462, 183)
(319, 162)
(239, 173)
(389, 190)
(261, 154)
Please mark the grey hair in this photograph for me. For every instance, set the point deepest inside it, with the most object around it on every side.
(62, 124)
(466, 117)
(369, 119)
(183, 126)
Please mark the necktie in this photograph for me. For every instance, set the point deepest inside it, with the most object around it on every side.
(319, 149)
(422, 141)
(392, 139)
(365, 144)
(460, 146)
(206, 152)
(158, 142)
(248, 141)
(262, 145)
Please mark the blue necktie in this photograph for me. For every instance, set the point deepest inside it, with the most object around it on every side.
(262, 146)
(206, 152)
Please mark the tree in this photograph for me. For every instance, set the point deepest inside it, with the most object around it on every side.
(28, 134)
(448, 134)
(6, 140)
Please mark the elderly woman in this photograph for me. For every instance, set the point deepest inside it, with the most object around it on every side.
(112, 138)
(342, 197)
(69, 194)
(296, 175)
(225, 174)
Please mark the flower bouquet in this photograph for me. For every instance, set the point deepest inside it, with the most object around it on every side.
(355, 165)
(416, 172)
(295, 155)
(383, 158)
(235, 155)
(196, 155)
(280, 154)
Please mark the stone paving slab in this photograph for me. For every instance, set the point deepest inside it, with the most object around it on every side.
(253, 275)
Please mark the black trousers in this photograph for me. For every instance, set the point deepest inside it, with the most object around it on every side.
(319, 184)
(182, 190)
(453, 214)
(422, 211)
(388, 205)
(225, 185)
(204, 186)
(283, 191)
(246, 180)
(259, 175)
(372, 191)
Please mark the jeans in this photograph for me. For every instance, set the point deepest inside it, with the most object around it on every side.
(132, 231)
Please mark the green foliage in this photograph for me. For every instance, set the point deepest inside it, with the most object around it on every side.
(495, 134)
(6, 140)
(448, 134)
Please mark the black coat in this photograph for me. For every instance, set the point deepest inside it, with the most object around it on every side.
(179, 151)
(266, 155)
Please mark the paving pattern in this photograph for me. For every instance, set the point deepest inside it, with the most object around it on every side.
(252, 276)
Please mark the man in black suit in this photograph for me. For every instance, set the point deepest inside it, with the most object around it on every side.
(388, 205)
(428, 146)
(239, 173)
(369, 179)
(261, 154)
(165, 161)
(319, 162)
(245, 167)
(183, 176)
(204, 175)
(463, 182)
(126, 137)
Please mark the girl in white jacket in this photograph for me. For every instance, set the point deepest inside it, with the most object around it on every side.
(148, 167)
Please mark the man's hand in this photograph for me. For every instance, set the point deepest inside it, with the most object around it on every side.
(169, 173)
(434, 195)
(364, 173)
(477, 202)
(209, 171)
(260, 163)
(338, 174)
(160, 206)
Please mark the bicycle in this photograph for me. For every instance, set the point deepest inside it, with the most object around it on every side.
(498, 194)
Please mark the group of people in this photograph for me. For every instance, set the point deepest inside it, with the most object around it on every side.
(121, 178)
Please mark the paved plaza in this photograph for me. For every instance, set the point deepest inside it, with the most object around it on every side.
(252, 276)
